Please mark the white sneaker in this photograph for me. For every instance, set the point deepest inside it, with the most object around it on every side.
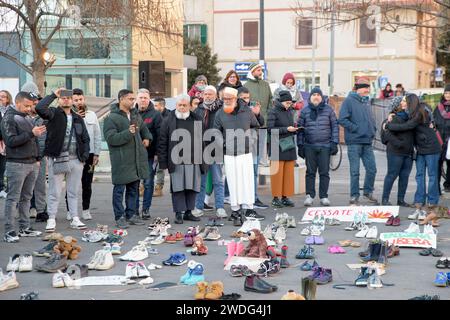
(146, 281)
(13, 264)
(105, 261)
(308, 201)
(363, 232)
(8, 281)
(77, 224)
(33, 213)
(267, 233)
(156, 230)
(153, 266)
(137, 253)
(325, 202)
(221, 213)
(197, 212)
(94, 260)
(422, 215)
(69, 216)
(428, 229)
(163, 230)
(3, 194)
(61, 280)
(226, 200)
(372, 233)
(51, 225)
(315, 231)
(131, 270)
(25, 263)
(414, 215)
(413, 228)
(115, 249)
(142, 270)
(86, 215)
(280, 234)
(159, 240)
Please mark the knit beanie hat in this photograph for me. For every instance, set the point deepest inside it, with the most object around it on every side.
(31, 87)
(285, 96)
(286, 77)
(316, 90)
(254, 66)
(201, 78)
(395, 103)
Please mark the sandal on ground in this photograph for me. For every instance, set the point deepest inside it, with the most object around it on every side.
(425, 252)
(345, 243)
(436, 253)
(442, 263)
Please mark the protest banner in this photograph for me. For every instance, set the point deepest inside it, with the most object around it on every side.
(374, 213)
(414, 240)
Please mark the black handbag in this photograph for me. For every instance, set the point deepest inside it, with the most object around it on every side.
(287, 143)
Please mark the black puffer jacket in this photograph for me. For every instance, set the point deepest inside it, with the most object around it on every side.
(242, 118)
(398, 142)
(442, 125)
(21, 144)
(152, 119)
(56, 129)
(279, 118)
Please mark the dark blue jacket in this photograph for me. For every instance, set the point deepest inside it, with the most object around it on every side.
(319, 132)
(357, 119)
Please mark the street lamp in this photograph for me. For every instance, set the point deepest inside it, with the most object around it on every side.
(48, 57)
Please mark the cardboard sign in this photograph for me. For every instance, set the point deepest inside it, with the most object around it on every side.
(414, 240)
(252, 263)
(375, 213)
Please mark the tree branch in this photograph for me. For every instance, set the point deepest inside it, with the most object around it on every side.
(16, 61)
(17, 10)
(55, 29)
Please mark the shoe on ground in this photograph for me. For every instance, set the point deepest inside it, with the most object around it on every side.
(178, 218)
(135, 221)
(404, 204)
(25, 263)
(422, 215)
(292, 295)
(213, 234)
(29, 232)
(146, 214)
(221, 213)
(8, 281)
(77, 224)
(13, 264)
(3, 194)
(159, 240)
(354, 200)
(276, 203)
(46, 251)
(287, 202)
(369, 197)
(61, 280)
(441, 280)
(372, 233)
(69, 216)
(414, 215)
(122, 223)
(188, 216)
(11, 237)
(105, 261)
(207, 208)
(325, 202)
(51, 225)
(259, 205)
(33, 213)
(251, 214)
(53, 264)
(86, 215)
(413, 228)
(198, 212)
(308, 201)
(386, 203)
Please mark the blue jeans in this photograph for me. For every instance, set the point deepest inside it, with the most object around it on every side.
(364, 152)
(217, 178)
(430, 163)
(397, 166)
(131, 194)
(149, 186)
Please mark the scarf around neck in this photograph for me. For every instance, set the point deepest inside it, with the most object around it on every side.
(443, 106)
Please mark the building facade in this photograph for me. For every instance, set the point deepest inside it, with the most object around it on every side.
(406, 56)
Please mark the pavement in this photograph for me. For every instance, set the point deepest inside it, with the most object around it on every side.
(410, 273)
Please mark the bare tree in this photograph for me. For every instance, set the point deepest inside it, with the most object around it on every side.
(36, 23)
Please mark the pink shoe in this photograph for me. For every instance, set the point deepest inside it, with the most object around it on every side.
(340, 249)
(239, 248)
(231, 250)
(333, 249)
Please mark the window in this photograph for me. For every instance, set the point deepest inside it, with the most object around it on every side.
(196, 32)
(250, 34)
(366, 35)
(420, 29)
(304, 33)
(88, 48)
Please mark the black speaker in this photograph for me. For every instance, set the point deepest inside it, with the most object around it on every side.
(152, 76)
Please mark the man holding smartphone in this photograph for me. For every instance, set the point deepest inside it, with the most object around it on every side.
(67, 149)
(95, 138)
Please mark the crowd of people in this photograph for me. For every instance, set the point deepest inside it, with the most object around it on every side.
(212, 142)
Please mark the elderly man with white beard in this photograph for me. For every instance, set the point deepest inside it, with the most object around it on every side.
(180, 152)
(235, 120)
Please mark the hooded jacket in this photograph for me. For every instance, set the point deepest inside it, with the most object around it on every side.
(21, 144)
(152, 119)
(321, 128)
(56, 129)
(129, 159)
(259, 91)
(356, 117)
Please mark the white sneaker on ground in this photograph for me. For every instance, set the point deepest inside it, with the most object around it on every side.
(414, 215)
(142, 270)
(25, 263)
(363, 232)
(221, 213)
(372, 233)
(422, 215)
(159, 240)
(325, 202)
(86, 215)
(51, 225)
(77, 224)
(69, 216)
(94, 260)
(33, 213)
(197, 212)
(8, 281)
(153, 266)
(280, 234)
(13, 264)
(148, 280)
(413, 228)
(131, 270)
(308, 201)
(428, 229)
(106, 261)
(3, 194)
(61, 280)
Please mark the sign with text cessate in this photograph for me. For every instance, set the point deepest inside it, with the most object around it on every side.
(374, 213)
(414, 240)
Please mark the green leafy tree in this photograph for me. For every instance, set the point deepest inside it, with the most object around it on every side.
(206, 62)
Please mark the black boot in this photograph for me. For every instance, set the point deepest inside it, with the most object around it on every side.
(190, 217)
(309, 288)
(178, 218)
(374, 252)
(382, 258)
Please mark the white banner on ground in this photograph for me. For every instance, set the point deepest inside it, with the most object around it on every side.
(414, 240)
(374, 213)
